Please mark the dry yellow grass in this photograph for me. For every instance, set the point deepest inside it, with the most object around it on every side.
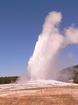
(45, 96)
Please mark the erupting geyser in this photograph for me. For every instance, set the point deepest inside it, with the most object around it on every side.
(42, 64)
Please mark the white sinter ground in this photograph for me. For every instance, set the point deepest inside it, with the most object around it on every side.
(10, 89)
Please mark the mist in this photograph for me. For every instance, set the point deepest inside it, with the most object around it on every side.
(43, 64)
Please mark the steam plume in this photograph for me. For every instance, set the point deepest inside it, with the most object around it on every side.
(42, 64)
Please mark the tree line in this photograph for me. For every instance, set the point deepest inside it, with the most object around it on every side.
(12, 79)
(7, 80)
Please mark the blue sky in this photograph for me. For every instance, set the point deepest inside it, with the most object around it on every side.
(20, 24)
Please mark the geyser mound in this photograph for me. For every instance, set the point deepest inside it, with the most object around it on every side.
(43, 64)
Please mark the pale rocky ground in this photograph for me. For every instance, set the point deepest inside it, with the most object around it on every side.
(48, 93)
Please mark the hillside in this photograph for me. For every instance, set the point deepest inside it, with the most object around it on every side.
(69, 73)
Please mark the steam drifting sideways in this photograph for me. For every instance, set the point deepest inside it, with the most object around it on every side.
(42, 64)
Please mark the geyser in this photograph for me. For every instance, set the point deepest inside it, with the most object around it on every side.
(42, 65)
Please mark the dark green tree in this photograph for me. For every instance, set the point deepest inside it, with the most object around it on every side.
(75, 79)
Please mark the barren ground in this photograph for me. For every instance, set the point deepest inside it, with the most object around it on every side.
(56, 95)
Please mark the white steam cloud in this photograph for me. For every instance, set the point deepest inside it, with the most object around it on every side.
(42, 64)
